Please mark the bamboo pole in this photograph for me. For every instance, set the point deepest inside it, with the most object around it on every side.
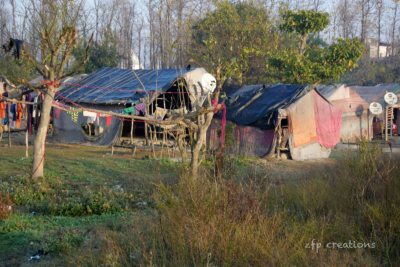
(152, 133)
(162, 144)
(386, 122)
(145, 124)
(26, 143)
(9, 125)
(132, 122)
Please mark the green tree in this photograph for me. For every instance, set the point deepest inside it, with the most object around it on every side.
(243, 31)
(101, 54)
(308, 63)
(14, 69)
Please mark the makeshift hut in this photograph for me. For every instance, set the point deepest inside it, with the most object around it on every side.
(137, 92)
(282, 117)
(356, 119)
(376, 94)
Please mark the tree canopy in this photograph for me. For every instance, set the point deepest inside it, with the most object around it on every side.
(101, 54)
(311, 64)
(242, 31)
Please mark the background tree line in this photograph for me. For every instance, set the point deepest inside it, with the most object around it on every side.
(169, 33)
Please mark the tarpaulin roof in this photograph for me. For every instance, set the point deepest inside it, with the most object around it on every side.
(123, 79)
(256, 104)
(375, 93)
(328, 90)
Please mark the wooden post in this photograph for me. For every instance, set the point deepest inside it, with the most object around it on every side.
(133, 151)
(145, 124)
(152, 142)
(386, 122)
(9, 132)
(133, 121)
(26, 143)
(173, 151)
(368, 125)
(112, 150)
(162, 144)
(90, 130)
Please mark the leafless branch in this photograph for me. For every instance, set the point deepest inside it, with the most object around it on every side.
(82, 63)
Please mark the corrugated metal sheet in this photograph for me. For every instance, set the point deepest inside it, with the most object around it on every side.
(123, 79)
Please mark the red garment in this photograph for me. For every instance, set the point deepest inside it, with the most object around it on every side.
(19, 114)
(328, 121)
(109, 120)
(2, 109)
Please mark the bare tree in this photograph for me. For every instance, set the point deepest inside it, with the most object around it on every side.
(54, 25)
(12, 2)
(367, 8)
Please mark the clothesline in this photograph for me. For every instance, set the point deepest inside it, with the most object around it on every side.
(137, 118)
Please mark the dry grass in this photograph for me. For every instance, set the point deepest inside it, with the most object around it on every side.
(259, 221)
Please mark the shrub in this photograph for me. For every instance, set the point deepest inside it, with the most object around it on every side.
(262, 221)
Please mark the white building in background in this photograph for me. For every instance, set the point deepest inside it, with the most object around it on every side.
(384, 49)
(136, 65)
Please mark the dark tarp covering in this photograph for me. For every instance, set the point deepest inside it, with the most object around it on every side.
(67, 131)
(15, 46)
(124, 79)
(257, 105)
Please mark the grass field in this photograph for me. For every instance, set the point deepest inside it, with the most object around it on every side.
(92, 209)
(83, 189)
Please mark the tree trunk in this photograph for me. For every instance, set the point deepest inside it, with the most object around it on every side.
(40, 140)
(302, 49)
(182, 149)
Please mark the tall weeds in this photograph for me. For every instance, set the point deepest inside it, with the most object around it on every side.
(258, 221)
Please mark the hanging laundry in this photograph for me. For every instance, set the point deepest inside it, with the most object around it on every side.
(89, 114)
(130, 110)
(74, 115)
(14, 46)
(92, 116)
(18, 114)
(29, 114)
(2, 109)
(140, 107)
(57, 111)
(109, 120)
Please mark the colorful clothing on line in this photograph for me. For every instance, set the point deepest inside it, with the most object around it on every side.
(18, 115)
(13, 110)
(74, 115)
(140, 107)
(29, 109)
(57, 111)
(109, 120)
(2, 109)
(130, 110)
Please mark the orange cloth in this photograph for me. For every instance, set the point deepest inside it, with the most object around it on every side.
(19, 114)
(2, 109)
(302, 120)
